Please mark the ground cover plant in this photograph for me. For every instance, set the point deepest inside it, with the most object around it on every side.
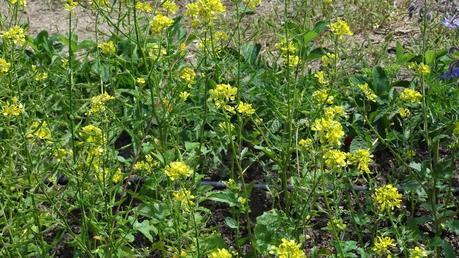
(209, 128)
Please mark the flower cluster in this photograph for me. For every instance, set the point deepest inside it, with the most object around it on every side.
(92, 134)
(178, 169)
(143, 7)
(245, 109)
(15, 34)
(340, 28)
(329, 131)
(21, 3)
(382, 245)
(288, 51)
(13, 108)
(320, 76)
(4, 66)
(361, 158)
(252, 4)
(387, 198)
(305, 143)
(184, 95)
(421, 68)
(204, 12)
(98, 103)
(147, 165)
(105, 174)
(410, 96)
(70, 5)
(39, 130)
(107, 48)
(288, 249)
(322, 97)
(160, 22)
(335, 159)
(170, 6)
(334, 111)
(418, 252)
(329, 59)
(222, 95)
(404, 112)
(369, 93)
(185, 198)
(188, 75)
(220, 253)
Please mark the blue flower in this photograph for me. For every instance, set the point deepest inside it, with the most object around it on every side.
(450, 74)
(451, 23)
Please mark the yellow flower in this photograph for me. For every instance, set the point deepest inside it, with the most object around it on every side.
(320, 76)
(140, 81)
(39, 130)
(160, 22)
(184, 95)
(322, 97)
(334, 111)
(21, 3)
(252, 4)
(382, 245)
(293, 60)
(340, 28)
(387, 198)
(178, 169)
(15, 34)
(188, 75)
(410, 96)
(220, 253)
(222, 94)
(4, 66)
(107, 48)
(418, 252)
(245, 108)
(289, 249)
(204, 12)
(362, 158)
(154, 50)
(101, 3)
(13, 108)
(421, 68)
(369, 94)
(41, 76)
(92, 134)
(170, 6)
(146, 165)
(335, 159)
(103, 174)
(70, 5)
(305, 143)
(328, 2)
(404, 112)
(226, 126)
(98, 103)
(329, 59)
(329, 131)
(185, 198)
(143, 7)
(286, 48)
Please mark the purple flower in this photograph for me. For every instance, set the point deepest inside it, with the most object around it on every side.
(451, 23)
(450, 74)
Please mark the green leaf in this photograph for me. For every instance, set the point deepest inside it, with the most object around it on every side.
(250, 53)
(225, 197)
(145, 228)
(231, 223)
(380, 81)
